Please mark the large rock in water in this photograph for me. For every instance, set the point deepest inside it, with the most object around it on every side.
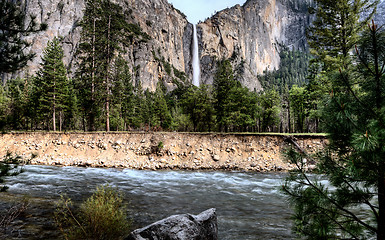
(181, 227)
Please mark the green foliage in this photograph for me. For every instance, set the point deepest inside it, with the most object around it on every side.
(269, 110)
(353, 161)
(179, 74)
(105, 33)
(13, 32)
(102, 216)
(336, 29)
(3, 106)
(299, 106)
(223, 82)
(293, 70)
(51, 87)
(9, 166)
(198, 104)
(161, 116)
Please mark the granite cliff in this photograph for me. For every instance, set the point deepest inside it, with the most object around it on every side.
(248, 35)
(169, 46)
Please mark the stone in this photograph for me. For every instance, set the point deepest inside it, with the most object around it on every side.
(216, 157)
(181, 227)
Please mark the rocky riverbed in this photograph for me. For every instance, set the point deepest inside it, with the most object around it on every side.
(158, 150)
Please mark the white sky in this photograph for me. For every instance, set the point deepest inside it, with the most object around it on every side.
(199, 10)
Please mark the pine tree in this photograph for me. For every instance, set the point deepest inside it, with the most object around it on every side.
(12, 33)
(161, 117)
(123, 101)
(269, 110)
(336, 29)
(52, 83)
(87, 78)
(352, 204)
(241, 109)
(223, 82)
(105, 33)
(298, 97)
(198, 104)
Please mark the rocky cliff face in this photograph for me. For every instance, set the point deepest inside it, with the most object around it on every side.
(170, 32)
(250, 36)
(380, 15)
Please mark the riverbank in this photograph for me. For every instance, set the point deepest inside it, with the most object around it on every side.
(159, 150)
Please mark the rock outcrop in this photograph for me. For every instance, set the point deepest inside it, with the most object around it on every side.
(247, 34)
(170, 43)
(250, 36)
(181, 227)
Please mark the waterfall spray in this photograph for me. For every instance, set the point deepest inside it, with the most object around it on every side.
(195, 59)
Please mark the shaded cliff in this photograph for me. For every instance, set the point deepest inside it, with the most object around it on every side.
(250, 36)
(165, 56)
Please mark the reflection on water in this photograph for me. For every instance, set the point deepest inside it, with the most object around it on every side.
(249, 206)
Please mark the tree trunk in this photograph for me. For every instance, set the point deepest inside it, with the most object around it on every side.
(54, 106)
(381, 206)
(60, 120)
(288, 116)
(107, 77)
(53, 118)
(92, 112)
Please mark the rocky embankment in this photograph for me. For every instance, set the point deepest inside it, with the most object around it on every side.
(152, 151)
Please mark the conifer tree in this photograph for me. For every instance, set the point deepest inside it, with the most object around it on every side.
(123, 93)
(351, 205)
(105, 32)
(298, 97)
(198, 104)
(13, 29)
(336, 29)
(223, 82)
(51, 84)
(161, 114)
(269, 109)
(87, 78)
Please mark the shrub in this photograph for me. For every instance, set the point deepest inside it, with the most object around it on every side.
(102, 216)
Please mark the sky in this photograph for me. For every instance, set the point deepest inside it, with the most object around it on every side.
(199, 10)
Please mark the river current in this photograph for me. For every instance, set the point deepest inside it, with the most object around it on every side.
(249, 205)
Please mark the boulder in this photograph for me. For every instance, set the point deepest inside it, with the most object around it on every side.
(180, 227)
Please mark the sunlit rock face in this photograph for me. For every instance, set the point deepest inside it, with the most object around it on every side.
(170, 32)
(380, 15)
(250, 36)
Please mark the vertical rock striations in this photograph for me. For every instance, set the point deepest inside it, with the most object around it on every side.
(166, 56)
(250, 35)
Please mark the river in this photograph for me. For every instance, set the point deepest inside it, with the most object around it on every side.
(249, 205)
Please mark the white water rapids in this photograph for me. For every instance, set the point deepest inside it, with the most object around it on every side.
(249, 205)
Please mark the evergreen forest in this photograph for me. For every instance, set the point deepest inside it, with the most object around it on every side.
(101, 96)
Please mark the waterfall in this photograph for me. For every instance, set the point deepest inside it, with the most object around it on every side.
(195, 59)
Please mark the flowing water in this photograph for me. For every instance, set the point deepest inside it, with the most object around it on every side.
(249, 205)
(195, 58)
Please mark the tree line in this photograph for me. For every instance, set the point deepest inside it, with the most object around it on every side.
(101, 95)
